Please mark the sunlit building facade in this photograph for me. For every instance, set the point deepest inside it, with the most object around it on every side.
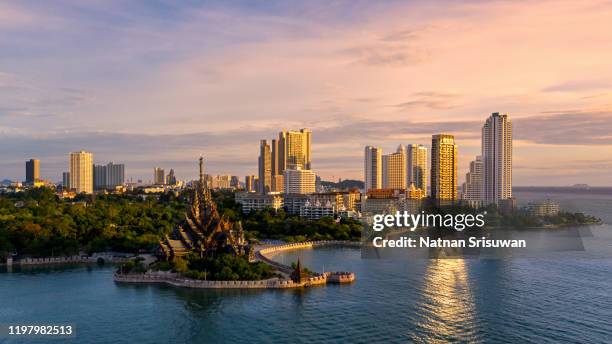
(394, 169)
(497, 158)
(417, 173)
(443, 167)
(81, 172)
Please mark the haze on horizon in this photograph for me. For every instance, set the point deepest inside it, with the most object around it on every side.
(157, 83)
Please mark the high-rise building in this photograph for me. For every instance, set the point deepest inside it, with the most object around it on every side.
(443, 167)
(294, 150)
(256, 184)
(472, 188)
(249, 183)
(497, 158)
(171, 178)
(372, 168)
(108, 176)
(115, 175)
(417, 172)
(32, 171)
(99, 176)
(234, 182)
(394, 169)
(81, 172)
(159, 176)
(66, 180)
(275, 158)
(298, 181)
(265, 167)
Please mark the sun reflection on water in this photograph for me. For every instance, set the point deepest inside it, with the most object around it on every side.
(446, 309)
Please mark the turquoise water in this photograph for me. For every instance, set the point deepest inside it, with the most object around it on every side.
(498, 301)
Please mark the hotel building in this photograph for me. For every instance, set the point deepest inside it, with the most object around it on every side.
(298, 181)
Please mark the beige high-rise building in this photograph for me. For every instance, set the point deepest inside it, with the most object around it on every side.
(443, 167)
(394, 169)
(372, 168)
(159, 176)
(298, 181)
(497, 158)
(294, 150)
(81, 172)
(265, 167)
(472, 189)
(417, 172)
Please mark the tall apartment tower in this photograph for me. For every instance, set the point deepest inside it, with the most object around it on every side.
(417, 172)
(372, 168)
(32, 171)
(115, 175)
(99, 177)
(472, 188)
(443, 167)
(159, 176)
(497, 158)
(294, 150)
(81, 172)
(394, 169)
(265, 167)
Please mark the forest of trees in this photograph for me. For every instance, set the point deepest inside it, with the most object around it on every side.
(37, 223)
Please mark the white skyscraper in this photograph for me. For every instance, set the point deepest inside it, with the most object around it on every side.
(497, 158)
(81, 172)
(417, 172)
(372, 168)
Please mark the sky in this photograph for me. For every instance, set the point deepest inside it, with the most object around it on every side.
(157, 83)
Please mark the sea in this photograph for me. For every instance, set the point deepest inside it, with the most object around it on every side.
(565, 299)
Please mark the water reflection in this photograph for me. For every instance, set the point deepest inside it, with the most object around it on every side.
(447, 310)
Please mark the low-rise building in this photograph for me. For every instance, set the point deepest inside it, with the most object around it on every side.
(317, 210)
(255, 201)
(544, 208)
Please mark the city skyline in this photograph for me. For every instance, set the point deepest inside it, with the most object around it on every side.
(162, 83)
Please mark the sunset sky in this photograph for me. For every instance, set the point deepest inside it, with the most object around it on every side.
(157, 83)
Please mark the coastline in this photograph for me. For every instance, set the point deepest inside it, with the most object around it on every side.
(177, 280)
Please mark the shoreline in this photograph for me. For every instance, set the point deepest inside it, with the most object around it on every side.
(177, 280)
